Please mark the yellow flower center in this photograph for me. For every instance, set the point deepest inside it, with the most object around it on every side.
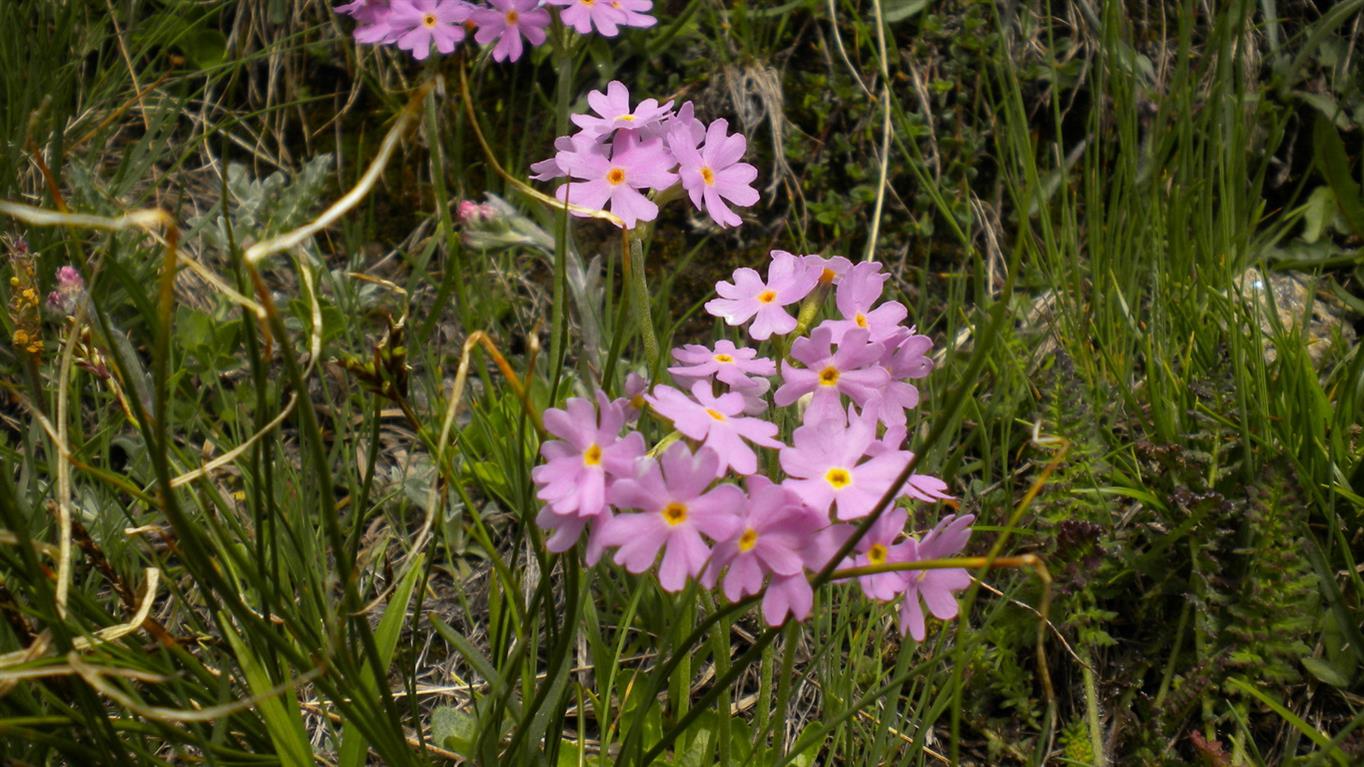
(723, 358)
(838, 477)
(513, 17)
(707, 175)
(828, 376)
(827, 276)
(748, 540)
(626, 118)
(592, 455)
(588, 2)
(861, 320)
(615, 176)
(675, 513)
(717, 415)
(767, 296)
(429, 21)
(876, 555)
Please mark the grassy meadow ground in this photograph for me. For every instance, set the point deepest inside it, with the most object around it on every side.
(278, 510)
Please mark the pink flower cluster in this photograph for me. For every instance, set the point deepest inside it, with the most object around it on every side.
(619, 153)
(726, 500)
(417, 25)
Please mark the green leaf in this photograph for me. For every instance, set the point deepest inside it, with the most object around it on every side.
(455, 730)
(1334, 165)
(1327, 672)
(899, 10)
(205, 48)
(283, 722)
(1317, 213)
(353, 746)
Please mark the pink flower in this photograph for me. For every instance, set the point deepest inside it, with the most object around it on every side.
(573, 478)
(569, 150)
(905, 360)
(416, 25)
(636, 12)
(583, 15)
(714, 174)
(633, 165)
(775, 528)
(824, 466)
(565, 531)
(371, 20)
(728, 363)
(853, 370)
(613, 111)
(859, 289)
(678, 510)
(633, 401)
(878, 547)
(717, 420)
(787, 595)
(748, 297)
(507, 21)
(935, 587)
(831, 270)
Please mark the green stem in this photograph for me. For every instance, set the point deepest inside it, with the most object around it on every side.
(639, 298)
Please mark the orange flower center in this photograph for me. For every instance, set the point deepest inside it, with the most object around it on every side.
(592, 455)
(723, 358)
(827, 276)
(748, 540)
(707, 175)
(767, 296)
(876, 555)
(429, 21)
(828, 376)
(838, 477)
(716, 414)
(615, 176)
(513, 17)
(861, 320)
(675, 513)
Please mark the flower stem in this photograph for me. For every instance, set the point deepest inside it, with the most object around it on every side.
(639, 298)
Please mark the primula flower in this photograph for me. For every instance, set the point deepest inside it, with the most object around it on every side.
(823, 466)
(728, 363)
(714, 175)
(853, 370)
(878, 547)
(717, 420)
(565, 531)
(775, 528)
(831, 270)
(613, 111)
(789, 281)
(634, 164)
(908, 359)
(636, 12)
(371, 17)
(935, 587)
(573, 478)
(507, 21)
(633, 401)
(416, 25)
(678, 510)
(583, 15)
(860, 288)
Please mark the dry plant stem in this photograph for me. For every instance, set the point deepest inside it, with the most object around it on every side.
(290, 240)
(520, 185)
(885, 133)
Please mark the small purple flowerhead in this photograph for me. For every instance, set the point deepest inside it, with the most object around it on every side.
(824, 466)
(878, 547)
(789, 281)
(507, 22)
(853, 370)
(719, 421)
(713, 175)
(858, 291)
(677, 510)
(776, 527)
(417, 25)
(634, 165)
(936, 588)
(613, 112)
(583, 15)
(574, 477)
(740, 368)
